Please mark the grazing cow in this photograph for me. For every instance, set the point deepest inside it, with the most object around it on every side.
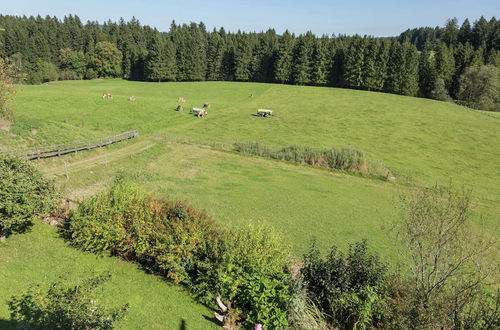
(179, 108)
(206, 105)
(180, 99)
(132, 98)
(107, 96)
(199, 112)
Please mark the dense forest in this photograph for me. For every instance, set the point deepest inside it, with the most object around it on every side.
(459, 62)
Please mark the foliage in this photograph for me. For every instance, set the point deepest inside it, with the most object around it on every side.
(302, 312)
(342, 159)
(65, 306)
(24, 195)
(480, 87)
(72, 61)
(43, 72)
(247, 267)
(348, 289)
(8, 77)
(446, 259)
(189, 52)
(249, 270)
(106, 60)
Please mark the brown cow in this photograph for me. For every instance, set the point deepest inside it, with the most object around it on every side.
(107, 96)
(132, 98)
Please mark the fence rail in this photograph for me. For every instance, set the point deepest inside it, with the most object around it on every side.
(62, 149)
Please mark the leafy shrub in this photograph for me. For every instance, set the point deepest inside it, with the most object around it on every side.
(246, 267)
(348, 289)
(90, 74)
(342, 159)
(65, 307)
(43, 72)
(24, 195)
(249, 270)
(68, 75)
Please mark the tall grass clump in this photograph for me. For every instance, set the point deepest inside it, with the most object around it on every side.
(346, 159)
(246, 268)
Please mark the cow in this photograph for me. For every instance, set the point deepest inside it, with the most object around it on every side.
(206, 105)
(199, 112)
(180, 108)
(107, 96)
(180, 99)
(132, 98)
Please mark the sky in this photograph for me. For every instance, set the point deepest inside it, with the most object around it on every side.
(371, 17)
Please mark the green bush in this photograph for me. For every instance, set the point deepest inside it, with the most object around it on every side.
(348, 289)
(68, 75)
(249, 269)
(246, 268)
(24, 195)
(65, 307)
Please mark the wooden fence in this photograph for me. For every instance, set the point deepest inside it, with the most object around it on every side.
(61, 149)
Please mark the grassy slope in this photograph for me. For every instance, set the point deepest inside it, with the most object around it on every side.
(430, 141)
(41, 257)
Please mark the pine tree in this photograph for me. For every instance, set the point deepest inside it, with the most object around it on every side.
(284, 59)
(160, 65)
(215, 56)
(409, 77)
(302, 63)
(465, 32)
(445, 64)
(464, 57)
(480, 32)
(242, 57)
(321, 65)
(396, 62)
(370, 76)
(427, 73)
(354, 62)
(381, 65)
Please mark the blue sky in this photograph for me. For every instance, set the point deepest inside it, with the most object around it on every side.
(373, 17)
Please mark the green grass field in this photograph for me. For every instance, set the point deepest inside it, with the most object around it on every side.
(422, 141)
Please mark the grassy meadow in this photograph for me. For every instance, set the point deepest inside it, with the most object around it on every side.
(178, 155)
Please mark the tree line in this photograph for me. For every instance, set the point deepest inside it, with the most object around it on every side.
(424, 62)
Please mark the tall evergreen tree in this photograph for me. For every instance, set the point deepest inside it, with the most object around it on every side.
(409, 77)
(354, 62)
(215, 56)
(301, 72)
(284, 58)
(321, 63)
(242, 57)
(370, 76)
(427, 73)
(160, 65)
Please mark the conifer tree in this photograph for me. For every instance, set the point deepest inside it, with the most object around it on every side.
(301, 71)
(160, 65)
(396, 62)
(284, 58)
(354, 62)
(427, 73)
(370, 76)
(445, 64)
(409, 77)
(215, 56)
(319, 75)
(242, 57)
